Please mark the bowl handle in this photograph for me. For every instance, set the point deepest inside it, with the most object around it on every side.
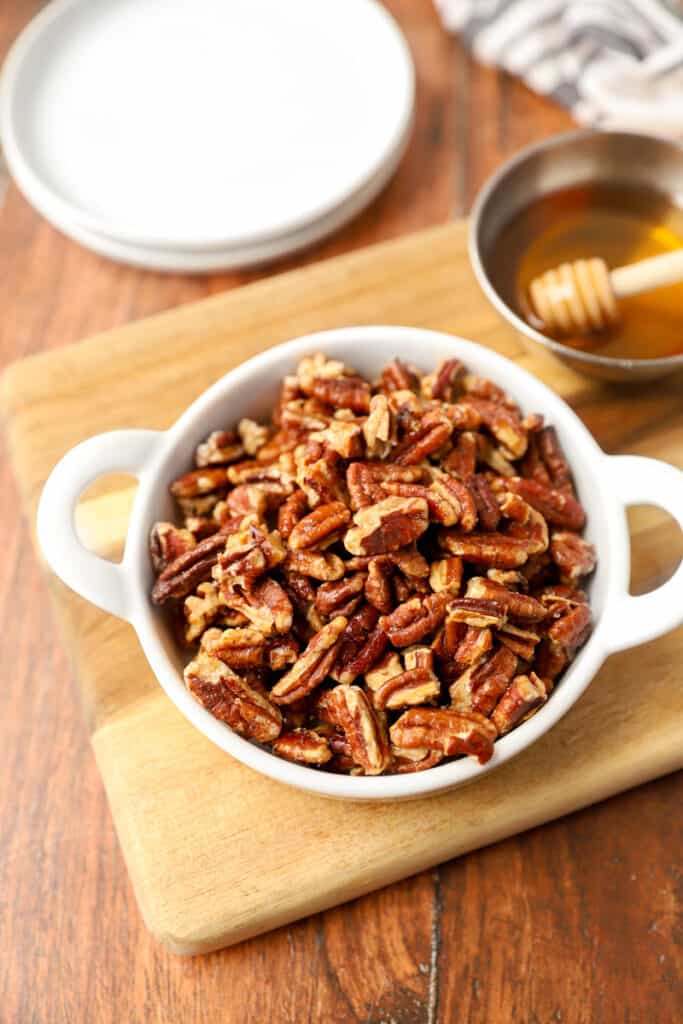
(96, 579)
(635, 620)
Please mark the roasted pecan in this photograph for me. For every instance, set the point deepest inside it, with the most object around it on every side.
(449, 732)
(443, 384)
(289, 513)
(366, 735)
(473, 647)
(414, 620)
(313, 664)
(518, 606)
(558, 507)
(573, 555)
(460, 496)
(317, 474)
(220, 448)
(415, 684)
(248, 553)
(398, 376)
(264, 604)
(431, 434)
(188, 570)
(343, 393)
(494, 456)
(231, 699)
(480, 687)
(317, 367)
(281, 651)
(521, 642)
(304, 746)
(387, 526)
(253, 435)
(572, 629)
(238, 648)
(340, 598)
(321, 527)
(462, 459)
(363, 644)
(523, 696)
(489, 549)
(200, 482)
(166, 543)
(417, 760)
(201, 610)
(316, 564)
(344, 438)
(559, 473)
(480, 613)
(379, 429)
(377, 585)
(245, 500)
(504, 424)
(488, 512)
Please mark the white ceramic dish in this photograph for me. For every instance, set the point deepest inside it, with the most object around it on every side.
(206, 124)
(212, 260)
(606, 485)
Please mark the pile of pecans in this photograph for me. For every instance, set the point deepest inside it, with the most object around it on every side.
(385, 576)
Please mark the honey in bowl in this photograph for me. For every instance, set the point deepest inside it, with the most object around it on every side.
(622, 224)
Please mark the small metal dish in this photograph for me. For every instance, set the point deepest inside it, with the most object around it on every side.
(574, 158)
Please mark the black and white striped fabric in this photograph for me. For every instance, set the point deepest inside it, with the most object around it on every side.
(614, 63)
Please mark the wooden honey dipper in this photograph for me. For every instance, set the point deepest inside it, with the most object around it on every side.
(582, 296)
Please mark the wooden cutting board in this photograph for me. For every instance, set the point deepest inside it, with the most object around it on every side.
(215, 852)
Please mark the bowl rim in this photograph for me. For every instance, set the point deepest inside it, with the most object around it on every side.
(146, 619)
(477, 214)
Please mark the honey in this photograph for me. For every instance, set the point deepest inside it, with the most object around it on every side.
(622, 224)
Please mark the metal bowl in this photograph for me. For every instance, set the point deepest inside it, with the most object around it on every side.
(574, 158)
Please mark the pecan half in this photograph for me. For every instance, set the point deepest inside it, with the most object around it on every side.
(379, 429)
(264, 604)
(573, 555)
(517, 606)
(350, 710)
(480, 686)
(253, 435)
(446, 575)
(230, 698)
(166, 543)
(387, 526)
(342, 597)
(449, 732)
(489, 549)
(558, 507)
(290, 512)
(313, 664)
(321, 527)
(188, 570)
(238, 648)
(413, 620)
(201, 610)
(304, 746)
(524, 696)
(220, 448)
(416, 684)
(378, 585)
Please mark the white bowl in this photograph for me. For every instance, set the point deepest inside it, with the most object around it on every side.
(606, 485)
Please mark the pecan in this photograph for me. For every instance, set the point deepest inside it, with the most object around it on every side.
(201, 527)
(509, 578)
(517, 606)
(388, 667)
(410, 562)
(480, 687)
(253, 435)
(557, 468)
(231, 699)
(341, 437)
(490, 549)
(417, 760)
(238, 648)
(449, 732)
(558, 507)
(504, 424)
(313, 664)
(317, 367)
(482, 388)
(474, 646)
(378, 586)
(398, 376)
(488, 512)
(429, 436)
(532, 465)
(200, 482)
(289, 513)
(283, 441)
(343, 392)
(317, 474)
(201, 610)
(379, 429)
(524, 695)
(416, 684)
(494, 457)
(480, 613)
(321, 527)
(444, 382)
(414, 620)
(444, 507)
(315, 564)
(572, 629)
(340, 598)
(248, 553)
(521, 642)
(281, 651)
(188, 570)
(305, 414)
(573, 555)
(362, 645)
(462, 459)
(387, 526)
(461, 497)
(244, 500)
(166, 543)
(220, 448)
(531, 528)
(365, 480)
(264, 604)
(304, 746)
(366, 735)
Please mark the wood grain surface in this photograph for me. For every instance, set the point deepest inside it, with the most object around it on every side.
(578, 921)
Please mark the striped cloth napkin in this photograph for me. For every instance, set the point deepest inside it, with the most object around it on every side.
(613, 63)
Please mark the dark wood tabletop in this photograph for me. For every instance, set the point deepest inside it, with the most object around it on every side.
(577, 922)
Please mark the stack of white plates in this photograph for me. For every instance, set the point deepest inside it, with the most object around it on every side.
(198, 135)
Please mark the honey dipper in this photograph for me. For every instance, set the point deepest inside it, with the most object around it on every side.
(582, 296)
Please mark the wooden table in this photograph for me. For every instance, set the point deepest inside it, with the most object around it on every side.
(573, 922)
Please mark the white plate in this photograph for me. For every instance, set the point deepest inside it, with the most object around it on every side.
(210, 124)
(212, 260)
